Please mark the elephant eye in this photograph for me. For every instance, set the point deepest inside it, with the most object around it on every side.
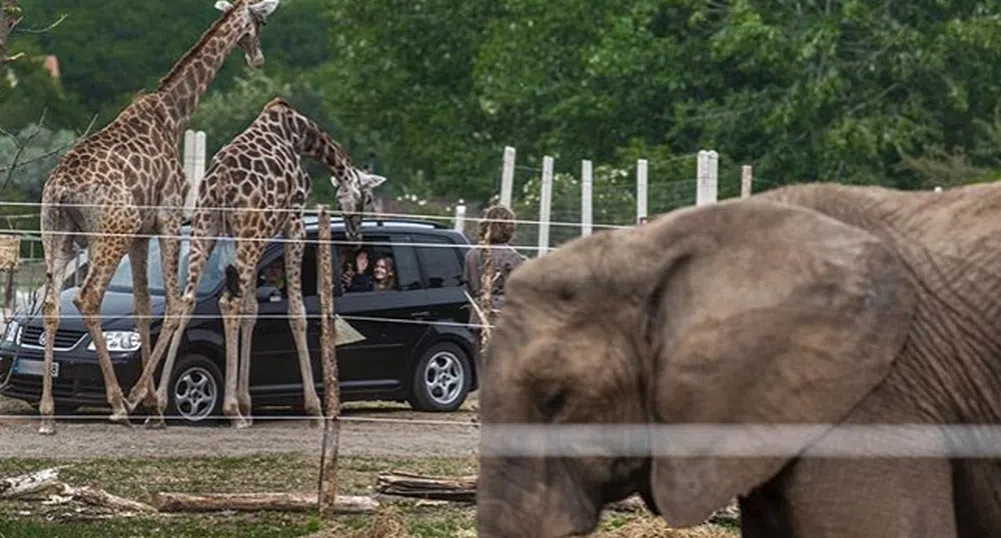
(553, 403)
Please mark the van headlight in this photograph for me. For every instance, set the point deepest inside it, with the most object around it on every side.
(119, 341)
(11, 333)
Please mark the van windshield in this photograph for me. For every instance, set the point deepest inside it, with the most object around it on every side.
(211, 274)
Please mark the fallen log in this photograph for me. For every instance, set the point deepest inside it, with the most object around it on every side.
(463, 489)
(45, 484)
(29, 484)
(253, 502)
(456, 489)
(99, 497)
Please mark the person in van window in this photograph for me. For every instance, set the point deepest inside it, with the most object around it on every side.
(357, 278)
(383, 274)
(274, 275)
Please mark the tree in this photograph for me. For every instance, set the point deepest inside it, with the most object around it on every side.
(401, 79)
(10, 17)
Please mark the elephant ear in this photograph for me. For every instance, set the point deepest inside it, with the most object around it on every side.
(762, 314)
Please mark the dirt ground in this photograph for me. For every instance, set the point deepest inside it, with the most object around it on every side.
(369, 429)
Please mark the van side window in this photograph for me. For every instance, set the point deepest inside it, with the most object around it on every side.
(440, 259)
(356, 271)
(308, 271)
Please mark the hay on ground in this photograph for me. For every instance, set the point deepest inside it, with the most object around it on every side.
(389, 523)
(654, 527)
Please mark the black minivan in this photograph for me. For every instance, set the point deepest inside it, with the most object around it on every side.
(416, 347)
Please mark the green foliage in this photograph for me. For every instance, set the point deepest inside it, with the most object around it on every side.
(40, 149)
(901, 95)
(109, 50)
(401, 80)
(225, 114)
(27, 90)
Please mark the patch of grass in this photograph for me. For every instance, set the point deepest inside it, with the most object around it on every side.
(264, 525)
(138, 478)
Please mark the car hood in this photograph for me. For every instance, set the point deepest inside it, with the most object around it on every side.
(117, 311)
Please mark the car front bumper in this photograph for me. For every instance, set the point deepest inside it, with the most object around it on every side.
(79, 382)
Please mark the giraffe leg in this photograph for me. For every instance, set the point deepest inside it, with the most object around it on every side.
(62, 249)
(108, 251)
(200, 251)
(239, 284)
(295, 232)
(169, 221)
(229, 307)
(177, 316)
(247, 322)
(202, 242)
(139, 255)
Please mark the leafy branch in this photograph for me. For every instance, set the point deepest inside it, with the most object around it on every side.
(10, 17)
(23, 144)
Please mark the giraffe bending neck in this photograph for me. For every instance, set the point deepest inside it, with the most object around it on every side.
(312, 141)
(191, 76)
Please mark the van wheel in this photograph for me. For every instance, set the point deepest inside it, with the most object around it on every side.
(442, 379)
(196, 389)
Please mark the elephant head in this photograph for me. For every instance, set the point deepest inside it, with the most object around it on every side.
(741, 312)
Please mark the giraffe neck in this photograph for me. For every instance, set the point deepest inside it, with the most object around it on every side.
(191, 76)
(312, 141)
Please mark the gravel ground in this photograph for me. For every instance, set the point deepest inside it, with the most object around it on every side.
(368, 430)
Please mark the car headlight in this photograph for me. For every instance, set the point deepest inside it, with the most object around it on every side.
(12, 332)
(119, 341)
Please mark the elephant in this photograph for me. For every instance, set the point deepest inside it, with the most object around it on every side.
(819, 304)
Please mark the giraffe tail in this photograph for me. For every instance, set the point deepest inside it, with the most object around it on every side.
(232, 280)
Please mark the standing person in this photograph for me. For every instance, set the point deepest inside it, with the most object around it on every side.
(495, 255)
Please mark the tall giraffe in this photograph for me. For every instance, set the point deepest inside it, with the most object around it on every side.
(254, 189)
(124, 183)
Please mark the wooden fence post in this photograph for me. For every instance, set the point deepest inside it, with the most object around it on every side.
(507, 177)
(331, 386)
(545, 204)
(586, 197)
(706, 188)
(745, 181)
(460, 217)
(194, 165)
(641, 190)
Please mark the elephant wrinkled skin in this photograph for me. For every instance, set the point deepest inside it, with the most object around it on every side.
(814, 304)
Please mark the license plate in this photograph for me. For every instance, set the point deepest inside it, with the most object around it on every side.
(28, 367)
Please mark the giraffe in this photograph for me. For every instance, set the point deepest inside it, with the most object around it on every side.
(124, 183)
(253, 190)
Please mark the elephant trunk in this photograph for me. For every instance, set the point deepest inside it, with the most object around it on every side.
(512, 501)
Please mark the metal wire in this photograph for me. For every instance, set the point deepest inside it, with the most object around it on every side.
(286, 316)
(364, 215)
(262, 418)
(273, 239)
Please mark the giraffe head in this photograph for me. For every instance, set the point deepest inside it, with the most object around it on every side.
(256, 14)
(354, 197)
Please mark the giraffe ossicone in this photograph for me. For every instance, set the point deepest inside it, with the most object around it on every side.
(255, 189)
(120, 185)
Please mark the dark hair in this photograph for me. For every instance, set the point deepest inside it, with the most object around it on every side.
(390, 281)
(499, 221)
